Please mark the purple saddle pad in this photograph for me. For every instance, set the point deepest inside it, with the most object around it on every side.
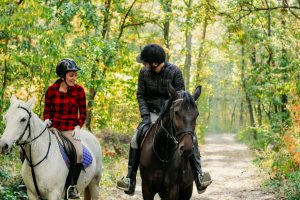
(87, 158)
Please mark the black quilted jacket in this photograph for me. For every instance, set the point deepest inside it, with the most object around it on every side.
(152, 87)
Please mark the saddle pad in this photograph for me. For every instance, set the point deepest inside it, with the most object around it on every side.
(87, 158)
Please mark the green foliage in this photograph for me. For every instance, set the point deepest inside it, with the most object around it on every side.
(10, 178)
(12, 191)
(292, 187)
(287, 186)
(260, 138)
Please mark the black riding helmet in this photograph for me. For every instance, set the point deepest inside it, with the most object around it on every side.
(64, 66)
(152, 53)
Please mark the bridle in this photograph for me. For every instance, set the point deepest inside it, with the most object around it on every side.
(28, 142)
(175, 135)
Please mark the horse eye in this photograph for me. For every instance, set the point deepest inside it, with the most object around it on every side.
(23, 120)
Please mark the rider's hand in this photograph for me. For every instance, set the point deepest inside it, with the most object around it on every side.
(76, 133)
(47, 122)
(146, 119)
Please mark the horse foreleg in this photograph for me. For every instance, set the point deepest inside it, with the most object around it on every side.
(54, 195)
(87, 194)
(148, 193)
(173, 193)
(31, 195)
(186, 193)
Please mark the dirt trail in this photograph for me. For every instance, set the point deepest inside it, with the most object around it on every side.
(229, 163)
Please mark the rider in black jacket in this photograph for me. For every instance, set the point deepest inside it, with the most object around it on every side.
(151, 94)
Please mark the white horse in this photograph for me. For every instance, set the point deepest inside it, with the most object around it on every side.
(23, 127)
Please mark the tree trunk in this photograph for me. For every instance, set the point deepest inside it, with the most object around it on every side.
(90, 105)
(259, 113)
(188, 46)
(188, 59)
(167, 8)
(106, 19)
(93, 91)
(284, 97)
(201, 49)
(241, 120)
(248, 100)
(4, 82)
(233, 116)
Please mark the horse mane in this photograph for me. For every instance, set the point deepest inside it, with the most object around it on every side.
(188, 101)
(165, 108)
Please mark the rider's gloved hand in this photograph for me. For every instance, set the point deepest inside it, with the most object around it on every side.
(47, 122)
(76, 133)
(146, 119)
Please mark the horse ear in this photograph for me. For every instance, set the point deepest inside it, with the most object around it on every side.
(13, 99)
(197, 92)
(172, 92)
(30, 103)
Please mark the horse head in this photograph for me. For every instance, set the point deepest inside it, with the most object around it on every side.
(17, 119)
(183, 114)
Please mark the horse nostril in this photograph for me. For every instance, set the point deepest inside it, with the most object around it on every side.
(5, 147)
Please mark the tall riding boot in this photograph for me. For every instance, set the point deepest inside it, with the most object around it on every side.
(72, 192)
(202, 180)
(128, 183)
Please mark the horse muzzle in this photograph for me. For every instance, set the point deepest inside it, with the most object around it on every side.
(185, 146)
(4, 148)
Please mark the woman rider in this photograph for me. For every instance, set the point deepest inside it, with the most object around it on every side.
(151, 94)
(63, 101)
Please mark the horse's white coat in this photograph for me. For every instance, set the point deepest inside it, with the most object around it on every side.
(52, 172)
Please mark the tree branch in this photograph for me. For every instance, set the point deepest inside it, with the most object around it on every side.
(124, 20)
(285, 2)
(139, 24)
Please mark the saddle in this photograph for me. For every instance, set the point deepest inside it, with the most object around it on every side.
(143, 130)
(68, 151)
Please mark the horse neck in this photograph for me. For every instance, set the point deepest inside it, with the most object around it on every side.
(164, 144)
(39, 146)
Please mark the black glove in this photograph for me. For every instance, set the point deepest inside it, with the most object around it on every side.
(142, 128)
(144, 123)
(146, 119)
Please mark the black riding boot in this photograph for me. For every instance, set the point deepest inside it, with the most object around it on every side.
(72, 192)
(202, 180)
(128, 184)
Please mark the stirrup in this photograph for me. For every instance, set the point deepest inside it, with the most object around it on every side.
(124, 184)
(204, 180)
(75, 189)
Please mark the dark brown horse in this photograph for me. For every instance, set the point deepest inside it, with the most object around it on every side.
(165, 166)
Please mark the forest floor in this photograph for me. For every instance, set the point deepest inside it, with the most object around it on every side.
(230, 164)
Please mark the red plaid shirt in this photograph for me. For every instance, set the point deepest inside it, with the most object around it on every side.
(62, 108)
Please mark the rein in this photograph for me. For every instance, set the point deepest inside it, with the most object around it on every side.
(29, 159)
(172, 136)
